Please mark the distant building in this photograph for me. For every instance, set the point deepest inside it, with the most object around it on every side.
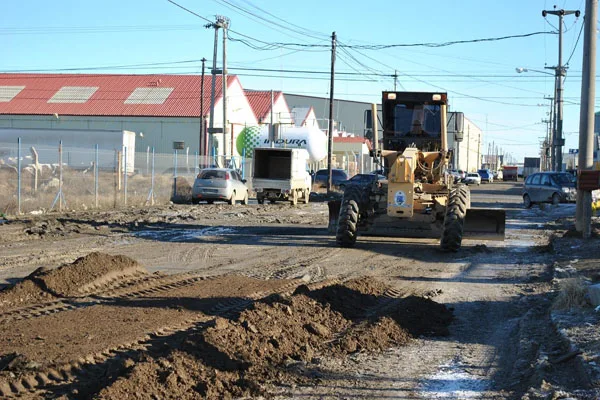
(260, 101)
(161, 109)
(304, 116)
(352, 155)
(464, 139)
(349, 115)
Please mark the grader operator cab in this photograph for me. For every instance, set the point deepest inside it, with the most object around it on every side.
(419, 198)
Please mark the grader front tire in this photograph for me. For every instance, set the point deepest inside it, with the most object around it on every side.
(458, 203)
(347, 229)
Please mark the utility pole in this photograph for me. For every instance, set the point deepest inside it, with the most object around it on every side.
(213, 72)
(583, 218)
(560, 71)
(395, 79)
(551, 134)
(271, 130)
(202, 144)
(224, 23)
(330, 146)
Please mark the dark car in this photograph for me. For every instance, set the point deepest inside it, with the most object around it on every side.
(337, 176)
(549, 187)
(361, 180)
(486, 175)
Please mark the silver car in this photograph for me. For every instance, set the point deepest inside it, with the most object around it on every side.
(219, 184)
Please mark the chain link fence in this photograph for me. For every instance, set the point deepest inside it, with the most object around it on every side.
(40, 178)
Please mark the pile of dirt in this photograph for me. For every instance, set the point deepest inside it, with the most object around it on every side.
(422, 317)
(85, 273)
(69, 280)
(352, 299)
(21, 294)
(280, 340)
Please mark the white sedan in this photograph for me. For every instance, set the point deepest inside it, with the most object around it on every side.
(473, 178)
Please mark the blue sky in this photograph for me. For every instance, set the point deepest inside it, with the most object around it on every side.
(480, 77)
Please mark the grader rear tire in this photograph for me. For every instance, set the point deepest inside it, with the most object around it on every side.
(349, 213)
(458, 203)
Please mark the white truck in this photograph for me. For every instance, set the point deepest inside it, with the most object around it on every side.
(280, 174)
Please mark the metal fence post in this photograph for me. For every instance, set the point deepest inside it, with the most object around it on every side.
(125, 175)
(60, 196)
(150, 198)
(19, 176)
(96, 176)
(175, 175)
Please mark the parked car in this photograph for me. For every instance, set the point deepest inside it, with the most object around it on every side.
(486, 175)
(337, 176)
(223, 184)
(473, 178)
(549, 187)
(361, 180)
(458, 175)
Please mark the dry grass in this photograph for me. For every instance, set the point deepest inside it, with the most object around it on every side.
(573, 294)
(78, 190)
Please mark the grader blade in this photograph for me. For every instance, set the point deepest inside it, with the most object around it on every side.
(334, 214)
(484, 224)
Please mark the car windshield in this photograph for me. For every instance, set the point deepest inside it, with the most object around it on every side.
(212, 174)
(474, 175)
(563, 178)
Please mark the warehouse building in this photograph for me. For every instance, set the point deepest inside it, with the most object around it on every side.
(161, 109)
(349, 116)
(464, 140)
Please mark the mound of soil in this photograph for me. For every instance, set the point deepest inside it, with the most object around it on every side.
(70, 280)
(279, 341)
(22, 294)
(352, 298)
(85, 273)
(422, 317)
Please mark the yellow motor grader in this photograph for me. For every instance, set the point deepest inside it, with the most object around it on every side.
(419, 197)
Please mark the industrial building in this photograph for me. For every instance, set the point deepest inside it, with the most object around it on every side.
(349, 116)
(161, 109)
(464, 140)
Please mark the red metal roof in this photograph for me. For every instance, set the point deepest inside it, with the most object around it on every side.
(109, 99)
(260, 101)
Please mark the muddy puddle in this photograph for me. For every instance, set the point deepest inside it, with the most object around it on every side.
(184, 235)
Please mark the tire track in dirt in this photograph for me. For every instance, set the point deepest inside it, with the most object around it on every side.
(87, 368)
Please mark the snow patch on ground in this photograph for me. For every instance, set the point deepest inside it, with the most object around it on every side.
(452, 381)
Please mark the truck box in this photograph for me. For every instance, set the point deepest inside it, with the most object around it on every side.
(280, 174)
(510, 173)
(531, 165)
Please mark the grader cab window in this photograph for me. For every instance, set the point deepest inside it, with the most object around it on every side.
(417, 120)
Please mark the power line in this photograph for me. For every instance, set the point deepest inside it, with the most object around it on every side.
(576, 43)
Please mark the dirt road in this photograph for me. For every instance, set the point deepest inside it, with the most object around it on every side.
(219, 301)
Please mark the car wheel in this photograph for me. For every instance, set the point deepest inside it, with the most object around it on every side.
(527, 201)
(232, 199)
(555, 199)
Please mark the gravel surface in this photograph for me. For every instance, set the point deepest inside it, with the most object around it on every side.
(219, 301)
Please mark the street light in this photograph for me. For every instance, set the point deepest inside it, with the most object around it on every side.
(520, 70)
